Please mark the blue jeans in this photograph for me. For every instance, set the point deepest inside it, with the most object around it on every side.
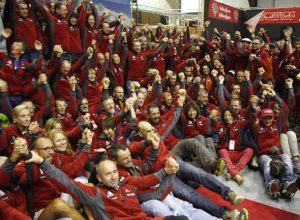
(188, 172)
(288, 175)
(176, 207)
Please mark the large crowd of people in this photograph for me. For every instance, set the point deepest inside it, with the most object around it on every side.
(103, 120)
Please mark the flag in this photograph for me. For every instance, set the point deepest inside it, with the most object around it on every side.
(252, 22)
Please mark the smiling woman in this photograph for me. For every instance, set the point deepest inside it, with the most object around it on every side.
(61, 142)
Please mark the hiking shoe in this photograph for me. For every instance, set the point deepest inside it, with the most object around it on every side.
(274, 189)
(228, 176)
(235, 199)
(219, 166)
(290, 191)
(230, 214)
(243, 215)
(253, 165)
(239, 179)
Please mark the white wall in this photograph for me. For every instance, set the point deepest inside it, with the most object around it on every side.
(278, 3)
(236, 3)
(190, 6)
(161, 4)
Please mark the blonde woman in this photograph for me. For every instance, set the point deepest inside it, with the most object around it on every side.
(61, 142)
(52, 123)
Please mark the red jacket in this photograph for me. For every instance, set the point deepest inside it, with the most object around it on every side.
(75, 40)
(13, 73)
(71, 165)
(193, 128)
(137, 63)
(59, 28)
(23, 27)
(9, 211)
(11, 133)
(118, 76)
(262, 60)
(66, 119)
(164, 128)
(159, 63)
(104, 202)
(144, 183)
(12, 199)
(226, 134)
(141, 149)
(267, 137)
(44, 190)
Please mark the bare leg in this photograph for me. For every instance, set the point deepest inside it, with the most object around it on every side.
(59, 209)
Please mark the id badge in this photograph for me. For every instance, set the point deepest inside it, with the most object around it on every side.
(231, 144)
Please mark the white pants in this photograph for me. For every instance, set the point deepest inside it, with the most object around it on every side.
(289, 145)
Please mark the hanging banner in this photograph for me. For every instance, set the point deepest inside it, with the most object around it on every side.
(280, 16)
(115, 7)
(223, 12)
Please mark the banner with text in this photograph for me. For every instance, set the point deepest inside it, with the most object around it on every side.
(280, 16)
(223, 12)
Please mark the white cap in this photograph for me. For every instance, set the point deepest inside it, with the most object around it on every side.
(247, 40)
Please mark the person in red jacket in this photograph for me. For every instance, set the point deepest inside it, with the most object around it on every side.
(58, 22)
(63, 114)
(143, 147)
(277, 168)
(168, 204)
(42, 195)
(166, 102)
(21, 23)
(259, 58)
(90, 89)
(229, 145)
(14, 67)
(23, 127)
(204, 105)
(138, 60)
(112, 198)
(111, 134)
(76, 49)
(12, 198)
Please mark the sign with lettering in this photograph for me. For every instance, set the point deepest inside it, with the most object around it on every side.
(280, 16)
(223, 12)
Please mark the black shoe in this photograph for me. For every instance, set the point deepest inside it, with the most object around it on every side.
(253, 165)
(290, 191)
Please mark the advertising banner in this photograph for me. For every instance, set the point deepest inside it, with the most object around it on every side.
(280, 16)
(223, 12)
(115, 6)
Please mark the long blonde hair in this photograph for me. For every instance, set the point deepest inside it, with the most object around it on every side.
(52, 133)
(50, 125)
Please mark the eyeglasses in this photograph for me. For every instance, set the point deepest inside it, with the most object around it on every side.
(47, 149)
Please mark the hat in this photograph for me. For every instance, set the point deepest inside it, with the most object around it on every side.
(217, 38)
(266, 112)
(247, 40)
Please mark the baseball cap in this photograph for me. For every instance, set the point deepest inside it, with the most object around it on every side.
(266, 112)
(247, 40)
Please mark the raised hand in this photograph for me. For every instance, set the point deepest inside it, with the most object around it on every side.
(33, 127)
(171, 166)
(6, 33)
(38, 45)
